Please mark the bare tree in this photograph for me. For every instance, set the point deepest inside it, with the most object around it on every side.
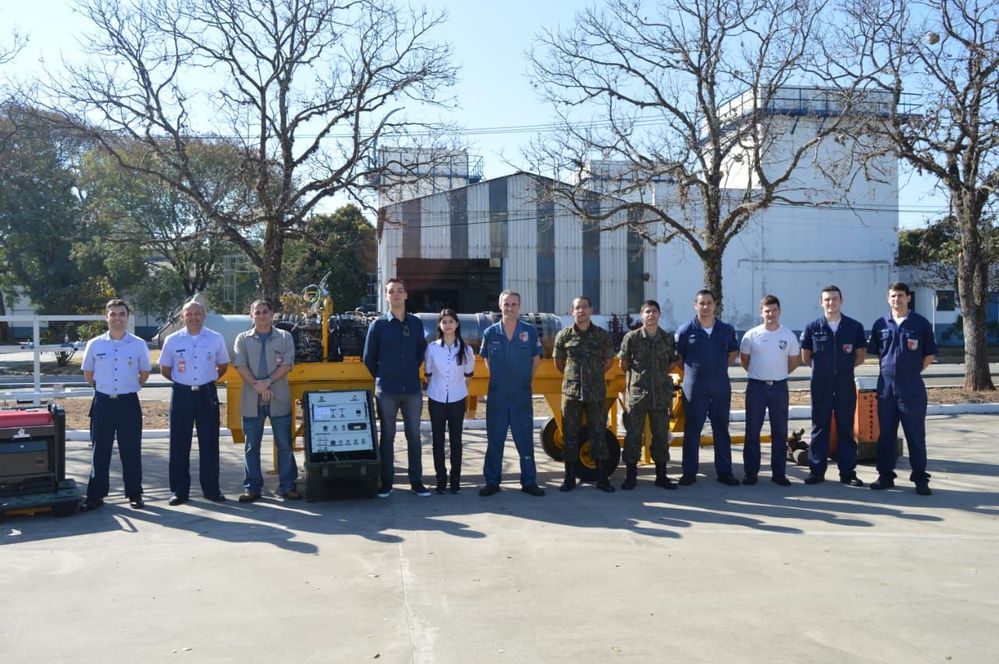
(305, 88)
(942, 55)
(690, 97)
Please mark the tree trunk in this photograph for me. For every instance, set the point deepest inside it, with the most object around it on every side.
(712, 260)
(972, 288)
(270, 268)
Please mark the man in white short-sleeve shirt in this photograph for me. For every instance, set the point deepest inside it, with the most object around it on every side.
(193, 358)
(769, 353)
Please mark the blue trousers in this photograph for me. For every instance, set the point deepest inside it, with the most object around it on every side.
(253, 428)
(389, 406)
(712, 405)
(517, 415)
(840, 403)
(189, 410)
(760, 399)
(119, 417)
(911, 413)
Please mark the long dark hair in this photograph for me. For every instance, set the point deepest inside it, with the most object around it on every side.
(450, 313)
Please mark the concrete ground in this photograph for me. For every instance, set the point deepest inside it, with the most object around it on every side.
(706, 573)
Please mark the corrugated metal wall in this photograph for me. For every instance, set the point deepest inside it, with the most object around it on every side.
(546, 255)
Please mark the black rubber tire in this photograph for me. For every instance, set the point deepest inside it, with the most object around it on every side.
(586, 470)
(551, 440)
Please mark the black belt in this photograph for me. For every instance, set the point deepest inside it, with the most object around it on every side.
(114, 396)
(767, 382)
(194, 388)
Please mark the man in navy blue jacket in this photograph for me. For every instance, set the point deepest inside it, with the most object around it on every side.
(393, 351)
(833, 345)
(903, 340)
(707, 347)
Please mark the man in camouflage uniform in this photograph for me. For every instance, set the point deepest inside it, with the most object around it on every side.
(647, 355)
(583, 354)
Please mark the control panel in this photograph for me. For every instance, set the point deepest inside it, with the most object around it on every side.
(339, 421)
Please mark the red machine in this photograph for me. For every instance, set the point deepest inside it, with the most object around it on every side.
(33, 463)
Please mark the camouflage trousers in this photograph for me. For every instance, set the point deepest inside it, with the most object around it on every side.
(596, 422)
(634, 425)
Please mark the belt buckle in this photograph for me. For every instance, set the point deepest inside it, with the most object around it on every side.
(769, 383)
(195, 388)
(112, 396)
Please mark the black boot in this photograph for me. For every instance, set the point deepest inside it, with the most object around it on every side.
(603, 481)
(661, 479)
(569, 483)
(442, 485)
(631, 477)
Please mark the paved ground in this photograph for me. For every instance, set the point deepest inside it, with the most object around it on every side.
(703, 574)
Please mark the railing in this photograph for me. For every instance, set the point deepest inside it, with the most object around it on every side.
(37, 348)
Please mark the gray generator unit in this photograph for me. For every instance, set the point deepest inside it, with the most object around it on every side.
(341, 448)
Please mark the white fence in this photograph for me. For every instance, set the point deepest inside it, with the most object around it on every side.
(37, 348)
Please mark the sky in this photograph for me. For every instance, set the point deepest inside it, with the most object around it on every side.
(498, 108)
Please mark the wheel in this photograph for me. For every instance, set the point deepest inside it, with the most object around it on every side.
(551, 440)
(587, 468)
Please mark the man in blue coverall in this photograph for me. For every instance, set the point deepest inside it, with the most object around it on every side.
(512, 351)
(833, 345)
(903, 340)
(707, 347)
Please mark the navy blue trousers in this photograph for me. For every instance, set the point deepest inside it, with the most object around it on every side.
(517, 416)
(714, 406)
(119, 418)
(188, 410)
(761, 399)
(840, 404)
(911, 413)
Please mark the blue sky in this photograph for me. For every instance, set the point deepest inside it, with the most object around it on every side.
(489, 40)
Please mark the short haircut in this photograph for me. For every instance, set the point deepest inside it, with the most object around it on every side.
(900, 286)
(589, 302)
(704, 291)
(832, 288)
(117, 302)
(511, 294)
(769, 300)
(193, 303)
(650, 303)
(395, 280)
(261, 302)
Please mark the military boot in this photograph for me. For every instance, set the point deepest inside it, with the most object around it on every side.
(631, 477)
(661, 479)
(569, 483)
(603, 481)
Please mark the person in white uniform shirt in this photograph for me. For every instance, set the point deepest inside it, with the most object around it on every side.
(193, 358)
(769, 353)
(116, 364)
(448, 366)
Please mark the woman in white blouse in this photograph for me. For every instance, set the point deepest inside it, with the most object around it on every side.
(448, 365)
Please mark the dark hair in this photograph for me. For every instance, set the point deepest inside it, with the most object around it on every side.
(450, 313)
(705, 291)
(768, 300)
(832, 289)
(650, 303)
(261, 301)
(395, 280)
(900, 286)
(117, 302)
(511, 294)
(589, 302)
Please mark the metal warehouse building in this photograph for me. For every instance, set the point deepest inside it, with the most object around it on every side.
(461, 247)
